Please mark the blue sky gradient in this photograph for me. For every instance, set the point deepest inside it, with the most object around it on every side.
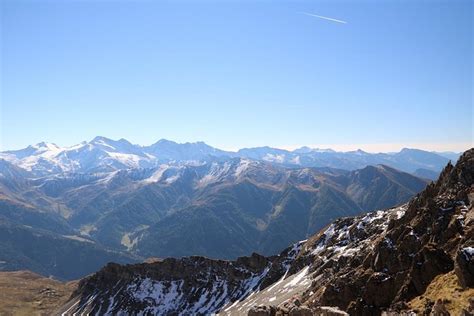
(238, 73)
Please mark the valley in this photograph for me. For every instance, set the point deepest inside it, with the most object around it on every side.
(219, 207)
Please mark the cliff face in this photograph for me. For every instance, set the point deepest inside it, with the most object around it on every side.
(364, 265)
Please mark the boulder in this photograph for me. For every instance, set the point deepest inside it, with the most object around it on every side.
(301, 311)
(329, 311)
(464, 266)
(262, 311)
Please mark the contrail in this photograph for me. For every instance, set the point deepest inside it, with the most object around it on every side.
(324, 17)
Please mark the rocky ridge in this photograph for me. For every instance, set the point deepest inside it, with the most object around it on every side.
(191, 285)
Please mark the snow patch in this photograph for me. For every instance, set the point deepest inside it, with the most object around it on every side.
(468, 252)
(298, 277)
(242, 167)
(156, 176)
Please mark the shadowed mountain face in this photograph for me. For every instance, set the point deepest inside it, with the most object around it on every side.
(264, 207)
(364, 265)
(426, 174)
(65, 257)
(220, 209)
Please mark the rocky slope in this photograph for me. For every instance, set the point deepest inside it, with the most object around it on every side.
(364, 265)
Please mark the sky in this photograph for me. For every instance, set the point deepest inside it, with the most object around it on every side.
(375, 75)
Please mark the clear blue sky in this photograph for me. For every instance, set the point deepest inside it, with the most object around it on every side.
(238, 73)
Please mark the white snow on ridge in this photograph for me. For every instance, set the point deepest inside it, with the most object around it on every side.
(104, 144)
(172, 179)
(8, 157)
(44, 147)
(337, 241)
(242, 167)
(129, 160)
(296, 160)
(43, 152)
(76, 147)
(284, 289)
(274, 158)
(109, 176)
(47, 157)
(215, 173)
(164, 297)
(156, 176)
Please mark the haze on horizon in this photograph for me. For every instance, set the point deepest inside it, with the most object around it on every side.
(370, 148)
(238, 74)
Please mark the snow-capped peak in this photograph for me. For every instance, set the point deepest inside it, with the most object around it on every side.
(46, 146)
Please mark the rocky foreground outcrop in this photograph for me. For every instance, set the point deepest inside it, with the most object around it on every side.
(191, 285)
(362, 265)
(434, 236)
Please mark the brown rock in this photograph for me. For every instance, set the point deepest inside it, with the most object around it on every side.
(262, 311)
(439, 309)
(329, 311)
(464, 267)
(301, 311)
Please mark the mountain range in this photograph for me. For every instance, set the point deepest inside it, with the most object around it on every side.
(103, 155)
(417, 258)
(98, 202)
